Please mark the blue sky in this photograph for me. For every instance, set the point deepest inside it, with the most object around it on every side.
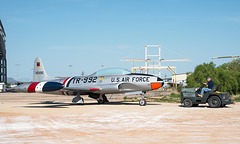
(91, 33)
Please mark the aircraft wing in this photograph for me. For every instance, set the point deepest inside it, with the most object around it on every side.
(82, 88)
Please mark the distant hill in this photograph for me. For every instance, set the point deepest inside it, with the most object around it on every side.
(11, 81)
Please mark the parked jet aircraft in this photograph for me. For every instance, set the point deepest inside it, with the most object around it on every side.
(96, 85)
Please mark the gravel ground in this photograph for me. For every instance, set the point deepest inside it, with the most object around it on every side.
(40, 118)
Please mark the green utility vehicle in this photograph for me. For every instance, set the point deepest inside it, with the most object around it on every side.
(214, 98)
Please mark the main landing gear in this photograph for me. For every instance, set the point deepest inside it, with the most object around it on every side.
(142, 101)
(78, 99)
(102, 99)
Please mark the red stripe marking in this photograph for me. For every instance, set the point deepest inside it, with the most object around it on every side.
(93, 89)
(65, 81)
(32, 87)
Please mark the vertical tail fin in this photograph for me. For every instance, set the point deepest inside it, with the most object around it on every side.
(39, 73)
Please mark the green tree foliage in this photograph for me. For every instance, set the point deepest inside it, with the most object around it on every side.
(226, 75)
(232, 66)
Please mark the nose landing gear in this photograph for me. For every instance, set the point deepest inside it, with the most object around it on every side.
(142, 101)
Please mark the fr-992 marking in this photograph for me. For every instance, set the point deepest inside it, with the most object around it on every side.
(84, 80)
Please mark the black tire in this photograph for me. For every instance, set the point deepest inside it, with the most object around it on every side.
(100, 101)
(187, 103)
(83, 100)
(105, 99)
(142, 102)
(214, 102)
(195, 105)
(74, 99)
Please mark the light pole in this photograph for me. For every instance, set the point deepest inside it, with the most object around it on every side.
(225, 57)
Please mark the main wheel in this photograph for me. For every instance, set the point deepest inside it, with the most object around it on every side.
(187, 103)
(78, 100)
(100, 101)
(81, 101)
(105, 99)
(214, 102)
(142, 102)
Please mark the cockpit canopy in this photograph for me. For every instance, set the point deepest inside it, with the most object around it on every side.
(112, 71)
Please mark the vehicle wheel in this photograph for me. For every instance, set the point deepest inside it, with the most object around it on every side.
(142, 102)
(223, 105)
(214, 102)
(195, 105)
(187, 103)
(100, 101)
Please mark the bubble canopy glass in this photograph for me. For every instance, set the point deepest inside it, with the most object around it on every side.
(112, 71)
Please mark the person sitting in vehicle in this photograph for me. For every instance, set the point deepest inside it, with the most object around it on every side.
(209, 85)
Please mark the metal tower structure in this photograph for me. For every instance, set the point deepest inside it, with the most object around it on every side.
(158, 56)
(3, 60)
(155, 58)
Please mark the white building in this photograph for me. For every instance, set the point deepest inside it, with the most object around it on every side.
(180, 78)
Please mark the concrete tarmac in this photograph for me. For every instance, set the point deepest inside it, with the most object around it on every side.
(40, 118)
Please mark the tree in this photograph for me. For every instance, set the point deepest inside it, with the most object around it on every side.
(233, 65)
(234, 68)
(228, 80)
(200, 74)
(226, 75)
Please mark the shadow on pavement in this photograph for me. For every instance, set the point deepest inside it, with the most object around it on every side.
(202, 106)
(52, 104)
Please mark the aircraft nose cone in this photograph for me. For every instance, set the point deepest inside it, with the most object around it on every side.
(155, 85)
(159, 79)
(52, 86)
(158, 84)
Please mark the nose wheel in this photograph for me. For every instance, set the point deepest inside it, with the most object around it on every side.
(142, 101)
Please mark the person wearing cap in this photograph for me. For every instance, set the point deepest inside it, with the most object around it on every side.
(209, 85)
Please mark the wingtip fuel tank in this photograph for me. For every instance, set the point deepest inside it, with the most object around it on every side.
(38, 87)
